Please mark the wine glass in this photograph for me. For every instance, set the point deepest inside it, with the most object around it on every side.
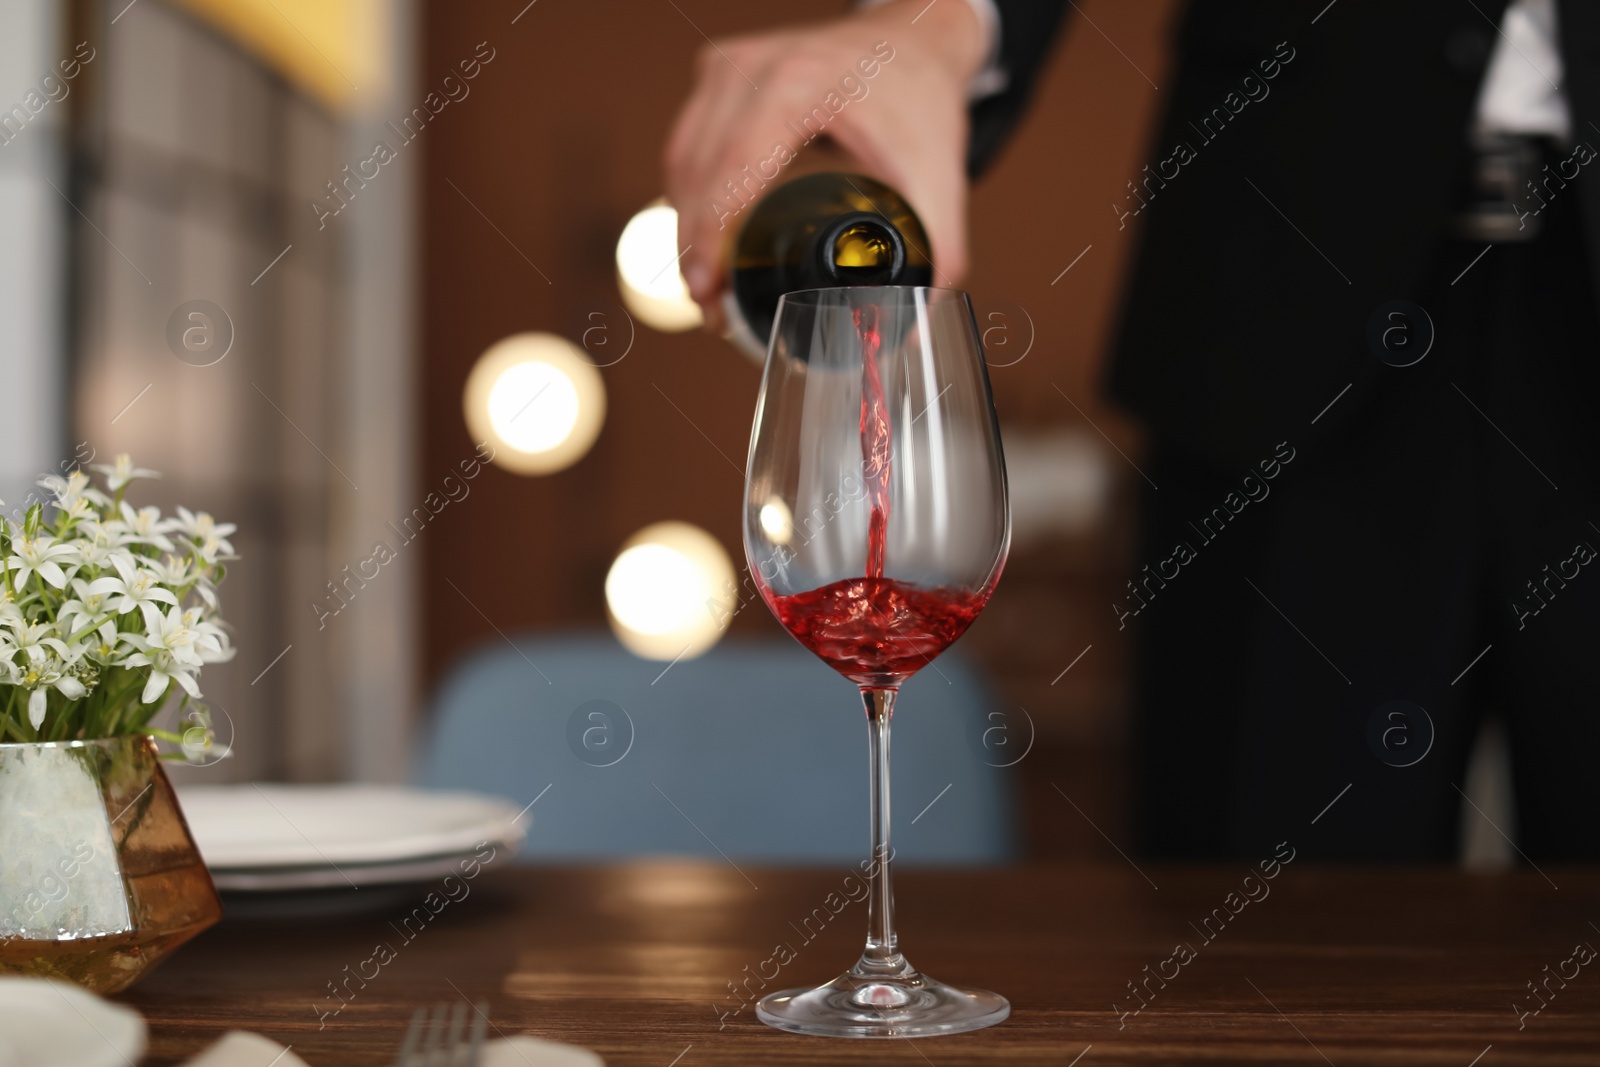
(876, 525)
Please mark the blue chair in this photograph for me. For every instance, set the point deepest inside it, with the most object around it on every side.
(755, 751)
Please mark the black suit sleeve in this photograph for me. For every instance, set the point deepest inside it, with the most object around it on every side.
(1027, 30)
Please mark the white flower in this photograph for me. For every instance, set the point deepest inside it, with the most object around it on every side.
(47, 664)
(170, 654)
(98, 555)
(200, 740)
(122, 472)
(40, 678)
(214, 549)
(144, 526)
(104, 651)
(170, 570)
(211, 641)
(65, 632)
(108, 534)
(177, 572)
(142, 591)
(37, 640)
(79, 510)
(40, 554)
(202, 527)
(163, 670)
(63, 489)
(91, 599)
(72, 489)
(92, 607)
(100, 544)
(170, 633)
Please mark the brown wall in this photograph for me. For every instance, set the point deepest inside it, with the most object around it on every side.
(558, 144)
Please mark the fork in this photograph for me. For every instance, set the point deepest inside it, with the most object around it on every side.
(431, 1042)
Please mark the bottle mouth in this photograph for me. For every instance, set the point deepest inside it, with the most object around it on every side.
(862, 249)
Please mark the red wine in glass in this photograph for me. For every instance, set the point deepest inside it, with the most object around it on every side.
(875, 630)
(877, 524)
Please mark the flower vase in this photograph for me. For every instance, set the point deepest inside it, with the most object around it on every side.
(99, 876)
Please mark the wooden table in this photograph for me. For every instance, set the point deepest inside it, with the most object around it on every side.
(1343, 966)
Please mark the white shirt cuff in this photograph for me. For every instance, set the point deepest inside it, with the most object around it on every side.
(992, 78)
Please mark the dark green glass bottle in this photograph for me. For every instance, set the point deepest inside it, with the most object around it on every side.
(816, 232)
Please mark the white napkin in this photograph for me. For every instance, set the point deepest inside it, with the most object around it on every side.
(537, 1052)
(239, 1049)
(56, 1024)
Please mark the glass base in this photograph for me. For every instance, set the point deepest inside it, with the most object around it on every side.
(909, 1005)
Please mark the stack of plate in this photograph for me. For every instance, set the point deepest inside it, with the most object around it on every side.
(281, 838)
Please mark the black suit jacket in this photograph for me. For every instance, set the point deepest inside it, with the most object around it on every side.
(1294, 214)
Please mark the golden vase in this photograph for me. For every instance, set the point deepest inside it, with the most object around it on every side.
(100, 878)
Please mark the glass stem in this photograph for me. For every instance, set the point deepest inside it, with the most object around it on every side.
(881, 958)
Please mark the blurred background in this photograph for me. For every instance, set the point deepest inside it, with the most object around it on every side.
(220, 159)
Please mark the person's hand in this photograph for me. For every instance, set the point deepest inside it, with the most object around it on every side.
(905, 125)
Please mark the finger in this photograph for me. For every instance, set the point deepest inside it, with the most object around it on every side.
(743, 152)
(704, 207)
(698, 125)
(696, 257)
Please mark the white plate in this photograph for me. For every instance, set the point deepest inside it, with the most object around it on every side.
(53, 1024)
(358, 875)
(252, 828)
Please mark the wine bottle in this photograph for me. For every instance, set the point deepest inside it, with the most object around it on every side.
(815, 232)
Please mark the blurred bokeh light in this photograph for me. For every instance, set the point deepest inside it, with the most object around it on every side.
(537, 400)
(647, 270)
(669, 592)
